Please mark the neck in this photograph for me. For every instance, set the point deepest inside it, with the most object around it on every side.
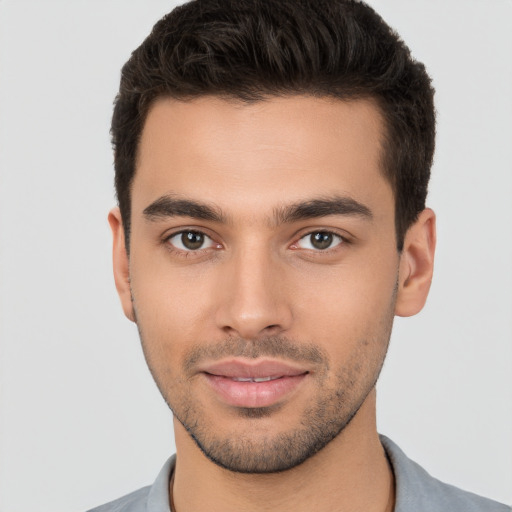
(350, 474)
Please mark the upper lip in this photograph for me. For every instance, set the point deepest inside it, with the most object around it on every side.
(234, 368)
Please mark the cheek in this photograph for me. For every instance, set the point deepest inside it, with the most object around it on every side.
(168, 313)
(172, 305)
(349, 313)
(345, 296)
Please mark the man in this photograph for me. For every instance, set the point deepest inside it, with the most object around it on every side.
(272, 161)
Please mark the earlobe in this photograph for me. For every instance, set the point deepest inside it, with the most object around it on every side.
(416, 265)
(121, 263)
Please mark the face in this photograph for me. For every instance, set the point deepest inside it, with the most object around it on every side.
(263, 270)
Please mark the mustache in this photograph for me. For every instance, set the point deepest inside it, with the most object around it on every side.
(271, 346)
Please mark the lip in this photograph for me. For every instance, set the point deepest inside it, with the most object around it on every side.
(245, 368)
(281, 380)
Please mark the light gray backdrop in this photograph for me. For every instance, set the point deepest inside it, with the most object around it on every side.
(81, 421)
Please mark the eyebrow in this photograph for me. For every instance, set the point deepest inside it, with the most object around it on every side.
(170, 206)
(322, 207)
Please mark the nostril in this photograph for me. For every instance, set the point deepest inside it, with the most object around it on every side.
(272, 328)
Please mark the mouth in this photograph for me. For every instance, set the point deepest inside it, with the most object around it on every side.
(251, 384)
(254, 379)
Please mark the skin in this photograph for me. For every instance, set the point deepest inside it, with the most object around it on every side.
(259, 289)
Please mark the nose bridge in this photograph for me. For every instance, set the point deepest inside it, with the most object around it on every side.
(254, 302)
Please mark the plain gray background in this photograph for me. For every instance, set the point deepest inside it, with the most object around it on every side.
(81, 421)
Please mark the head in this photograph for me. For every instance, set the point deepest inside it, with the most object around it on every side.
(272, 161)
(250, 50)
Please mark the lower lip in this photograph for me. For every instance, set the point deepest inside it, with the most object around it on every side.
(254, 394)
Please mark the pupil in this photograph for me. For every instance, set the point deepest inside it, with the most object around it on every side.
(192, 240)
(321, 240)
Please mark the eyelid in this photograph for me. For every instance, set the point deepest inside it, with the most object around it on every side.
(166, 240)
(344, 239)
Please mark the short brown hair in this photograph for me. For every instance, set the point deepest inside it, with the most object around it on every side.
(253, 49)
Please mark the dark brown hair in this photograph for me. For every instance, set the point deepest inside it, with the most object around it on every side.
(253, 49)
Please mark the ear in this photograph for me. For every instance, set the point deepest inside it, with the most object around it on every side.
(416, 265)
(121, 263)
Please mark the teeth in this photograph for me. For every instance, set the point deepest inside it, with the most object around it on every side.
(254, 379)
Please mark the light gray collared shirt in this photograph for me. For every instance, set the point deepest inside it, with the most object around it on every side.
(416, 491)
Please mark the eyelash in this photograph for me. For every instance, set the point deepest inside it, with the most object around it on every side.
(343, 240)
(190, 252)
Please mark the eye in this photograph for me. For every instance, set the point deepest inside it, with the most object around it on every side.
(319, 241)
(190, 241)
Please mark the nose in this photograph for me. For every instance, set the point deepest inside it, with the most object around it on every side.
(254, 297)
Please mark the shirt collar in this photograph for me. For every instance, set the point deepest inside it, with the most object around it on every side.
(158, 497)
(409, 476)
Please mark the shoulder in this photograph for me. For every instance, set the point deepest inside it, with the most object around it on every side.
(154, 498)
(417, 491)
(132, 502)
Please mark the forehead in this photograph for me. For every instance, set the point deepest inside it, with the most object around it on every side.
(269, 152)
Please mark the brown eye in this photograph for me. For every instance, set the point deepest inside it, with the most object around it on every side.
(320, 241)
(191, 241)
